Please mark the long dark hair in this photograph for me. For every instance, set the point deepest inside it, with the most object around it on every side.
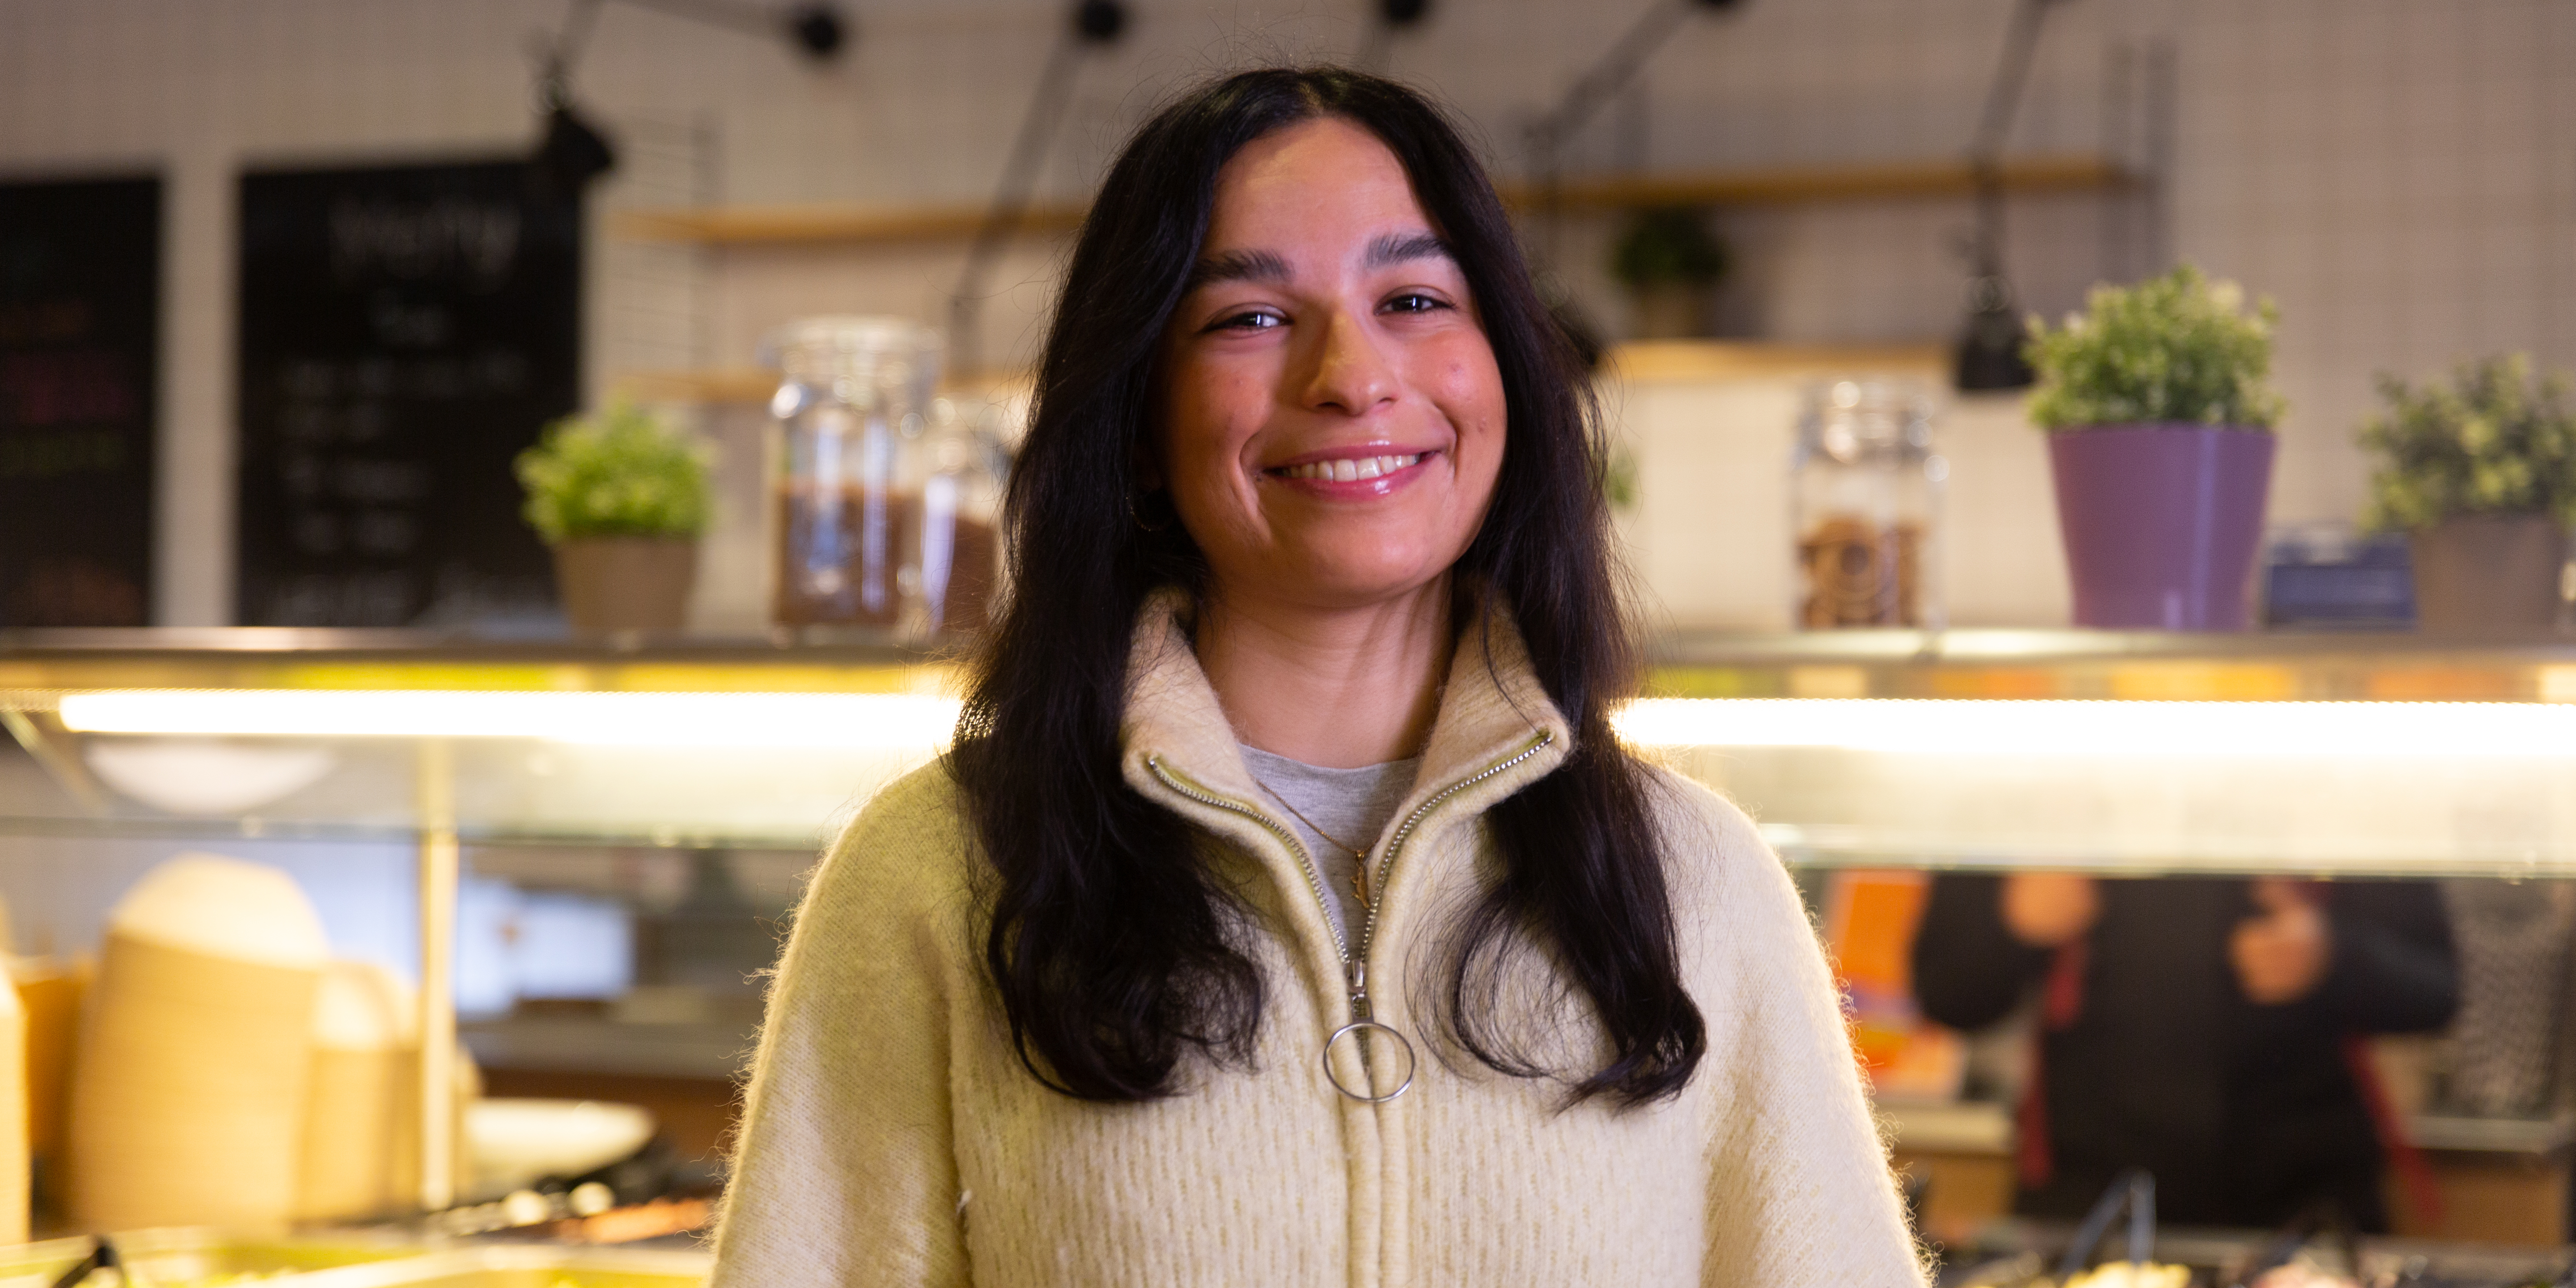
(1113, 950)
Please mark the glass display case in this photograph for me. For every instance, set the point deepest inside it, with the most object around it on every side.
(1870, 749)
(2080, 750)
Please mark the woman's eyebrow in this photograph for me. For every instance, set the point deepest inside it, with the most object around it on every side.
(1398, 248)
(1237, 266)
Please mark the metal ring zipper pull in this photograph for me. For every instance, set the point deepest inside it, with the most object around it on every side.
(1358, 1031)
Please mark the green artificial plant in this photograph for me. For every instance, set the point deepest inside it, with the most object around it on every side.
(2174, 350)
(616, 473)
(1668, 246)
(2493, 441)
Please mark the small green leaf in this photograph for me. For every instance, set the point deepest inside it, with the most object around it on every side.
(2495, 440)
(2172, 349)
(618, 473)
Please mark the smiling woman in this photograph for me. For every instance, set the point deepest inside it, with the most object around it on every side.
(1331, 427)
(1288, 910)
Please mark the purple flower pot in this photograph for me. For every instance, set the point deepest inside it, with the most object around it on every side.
(2161, 523)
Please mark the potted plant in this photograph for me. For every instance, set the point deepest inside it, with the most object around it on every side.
(2161, 447)
(622, 498)
(1670, 263)
(2481, 475)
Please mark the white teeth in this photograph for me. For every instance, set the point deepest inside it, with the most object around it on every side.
(1351, 469)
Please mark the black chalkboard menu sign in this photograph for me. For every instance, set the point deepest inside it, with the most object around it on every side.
(80, 321)
(405, 331)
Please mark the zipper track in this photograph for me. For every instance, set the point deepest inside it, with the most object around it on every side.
(1314, 879)
(1354, 964)
(1395, 845)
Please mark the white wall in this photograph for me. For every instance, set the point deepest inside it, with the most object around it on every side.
(2399, 174)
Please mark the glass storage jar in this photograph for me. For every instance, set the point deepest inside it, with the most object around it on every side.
(847, 421)
(952, 556)
(1865, 505)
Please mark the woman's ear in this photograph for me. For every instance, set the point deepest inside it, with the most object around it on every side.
(1145, 465)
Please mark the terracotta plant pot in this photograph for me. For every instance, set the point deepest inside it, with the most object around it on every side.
(1672, 311)
(626, 583)
(2488, 573)
(2161, 523)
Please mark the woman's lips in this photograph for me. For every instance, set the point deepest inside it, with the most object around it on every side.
(1351, 476)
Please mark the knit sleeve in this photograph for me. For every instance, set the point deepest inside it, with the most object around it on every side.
(844, 1174)
(1800, 1191)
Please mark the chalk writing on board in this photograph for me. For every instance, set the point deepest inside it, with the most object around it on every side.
(79, 344)
(405, 332)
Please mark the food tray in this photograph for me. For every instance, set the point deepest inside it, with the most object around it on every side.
(2008, 1252)
(525, 1266)
(181, 1258)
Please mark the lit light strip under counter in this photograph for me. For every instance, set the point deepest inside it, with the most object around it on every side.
(896, 721)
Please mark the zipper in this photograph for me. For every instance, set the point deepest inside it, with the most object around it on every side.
(1354, 964)
(1404, 832)
(1314, 879)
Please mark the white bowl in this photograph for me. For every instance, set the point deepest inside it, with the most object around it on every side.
(189, 776)
(514, 1143)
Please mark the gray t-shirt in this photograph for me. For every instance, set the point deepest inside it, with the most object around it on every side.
(1354, 805)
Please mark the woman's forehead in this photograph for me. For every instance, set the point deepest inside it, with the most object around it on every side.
(1320, 184)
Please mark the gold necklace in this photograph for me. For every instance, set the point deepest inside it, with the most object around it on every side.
(1359, 872)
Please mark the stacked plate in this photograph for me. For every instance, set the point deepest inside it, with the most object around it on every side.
(188, 1097)
(361, 1131)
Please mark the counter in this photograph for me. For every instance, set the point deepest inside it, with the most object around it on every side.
(2114, 753)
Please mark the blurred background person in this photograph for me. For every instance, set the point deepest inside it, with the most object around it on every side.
(2209, 1030)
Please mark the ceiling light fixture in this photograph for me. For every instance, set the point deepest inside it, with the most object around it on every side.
(1989, 355)
(1545, 140)
(572, 152)
(1093, 24)
(1393, 16)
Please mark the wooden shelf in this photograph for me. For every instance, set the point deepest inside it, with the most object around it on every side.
(822, 224)
(1792, 185)
(754, 385)
(1684, 361)
(717, 385)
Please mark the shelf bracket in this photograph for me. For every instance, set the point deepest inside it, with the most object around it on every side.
(435, 787)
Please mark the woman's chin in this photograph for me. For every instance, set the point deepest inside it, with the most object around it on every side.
(1335, 585)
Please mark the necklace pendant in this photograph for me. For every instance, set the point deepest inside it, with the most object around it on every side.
(1359, 878)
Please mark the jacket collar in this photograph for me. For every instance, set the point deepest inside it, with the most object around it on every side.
(1492, 710)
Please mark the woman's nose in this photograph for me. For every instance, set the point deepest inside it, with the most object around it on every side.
(1347, 372)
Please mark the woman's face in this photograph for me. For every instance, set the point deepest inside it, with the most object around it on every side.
(1332, 415)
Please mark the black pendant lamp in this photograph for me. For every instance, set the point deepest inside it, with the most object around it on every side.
(572, 152)
(1546, 138)
(1989, 355)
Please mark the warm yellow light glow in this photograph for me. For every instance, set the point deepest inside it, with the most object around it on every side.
(1931, 726)
(919, 722)
(851, 721)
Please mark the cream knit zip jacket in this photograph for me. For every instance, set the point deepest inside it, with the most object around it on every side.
(893, 1138)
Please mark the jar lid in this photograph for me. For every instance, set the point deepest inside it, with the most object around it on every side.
(870, 349)
(1851, 418)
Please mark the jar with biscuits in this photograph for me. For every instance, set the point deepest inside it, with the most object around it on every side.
(847, 425)
(1865, 505)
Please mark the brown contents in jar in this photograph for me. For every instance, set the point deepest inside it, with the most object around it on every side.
(974, 565)
(1859, 574)
(840, 555)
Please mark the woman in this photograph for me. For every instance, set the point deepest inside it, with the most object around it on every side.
(1287, 911)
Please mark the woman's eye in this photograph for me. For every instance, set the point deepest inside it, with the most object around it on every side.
(1248, 320)
(1415, 302)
